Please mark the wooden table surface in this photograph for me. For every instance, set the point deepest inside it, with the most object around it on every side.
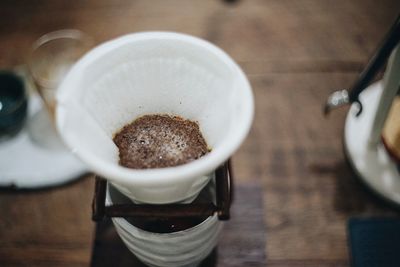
(295, 52)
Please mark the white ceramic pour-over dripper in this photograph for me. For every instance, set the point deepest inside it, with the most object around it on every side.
(150, 73)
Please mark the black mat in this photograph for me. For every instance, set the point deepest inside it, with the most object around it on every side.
(375, 242)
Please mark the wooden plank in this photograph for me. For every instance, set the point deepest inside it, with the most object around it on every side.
(249, 31)
(308, 263)
(49, 227)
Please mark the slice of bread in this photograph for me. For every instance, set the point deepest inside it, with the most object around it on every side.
(391, 130)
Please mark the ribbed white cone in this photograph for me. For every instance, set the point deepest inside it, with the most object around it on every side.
(185, 248)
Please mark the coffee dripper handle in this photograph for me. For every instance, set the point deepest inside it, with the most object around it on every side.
(343, 97)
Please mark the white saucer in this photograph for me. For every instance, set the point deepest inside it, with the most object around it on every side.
(373, 165)
(36, 157)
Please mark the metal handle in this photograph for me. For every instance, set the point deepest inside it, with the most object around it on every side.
(343, 97)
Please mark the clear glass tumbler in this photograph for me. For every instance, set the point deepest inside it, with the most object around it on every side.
(51, 57)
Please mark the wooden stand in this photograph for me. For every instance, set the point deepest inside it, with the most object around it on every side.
(224, 196)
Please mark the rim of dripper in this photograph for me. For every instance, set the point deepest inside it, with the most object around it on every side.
(196, 168)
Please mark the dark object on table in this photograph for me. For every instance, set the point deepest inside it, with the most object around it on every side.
(242, 240)
(375, 242)
(13, 103)
(343, 97)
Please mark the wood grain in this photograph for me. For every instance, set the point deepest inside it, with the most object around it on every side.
(50, 227)
(294, 52)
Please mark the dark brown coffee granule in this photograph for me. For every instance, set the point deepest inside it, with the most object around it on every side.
(158, 141)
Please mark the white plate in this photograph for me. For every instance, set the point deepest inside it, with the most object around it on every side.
(36, 157)
(373, 164)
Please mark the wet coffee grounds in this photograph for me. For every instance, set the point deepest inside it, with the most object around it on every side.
(159, 141)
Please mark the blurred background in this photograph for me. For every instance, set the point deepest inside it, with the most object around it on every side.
(294, 52)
